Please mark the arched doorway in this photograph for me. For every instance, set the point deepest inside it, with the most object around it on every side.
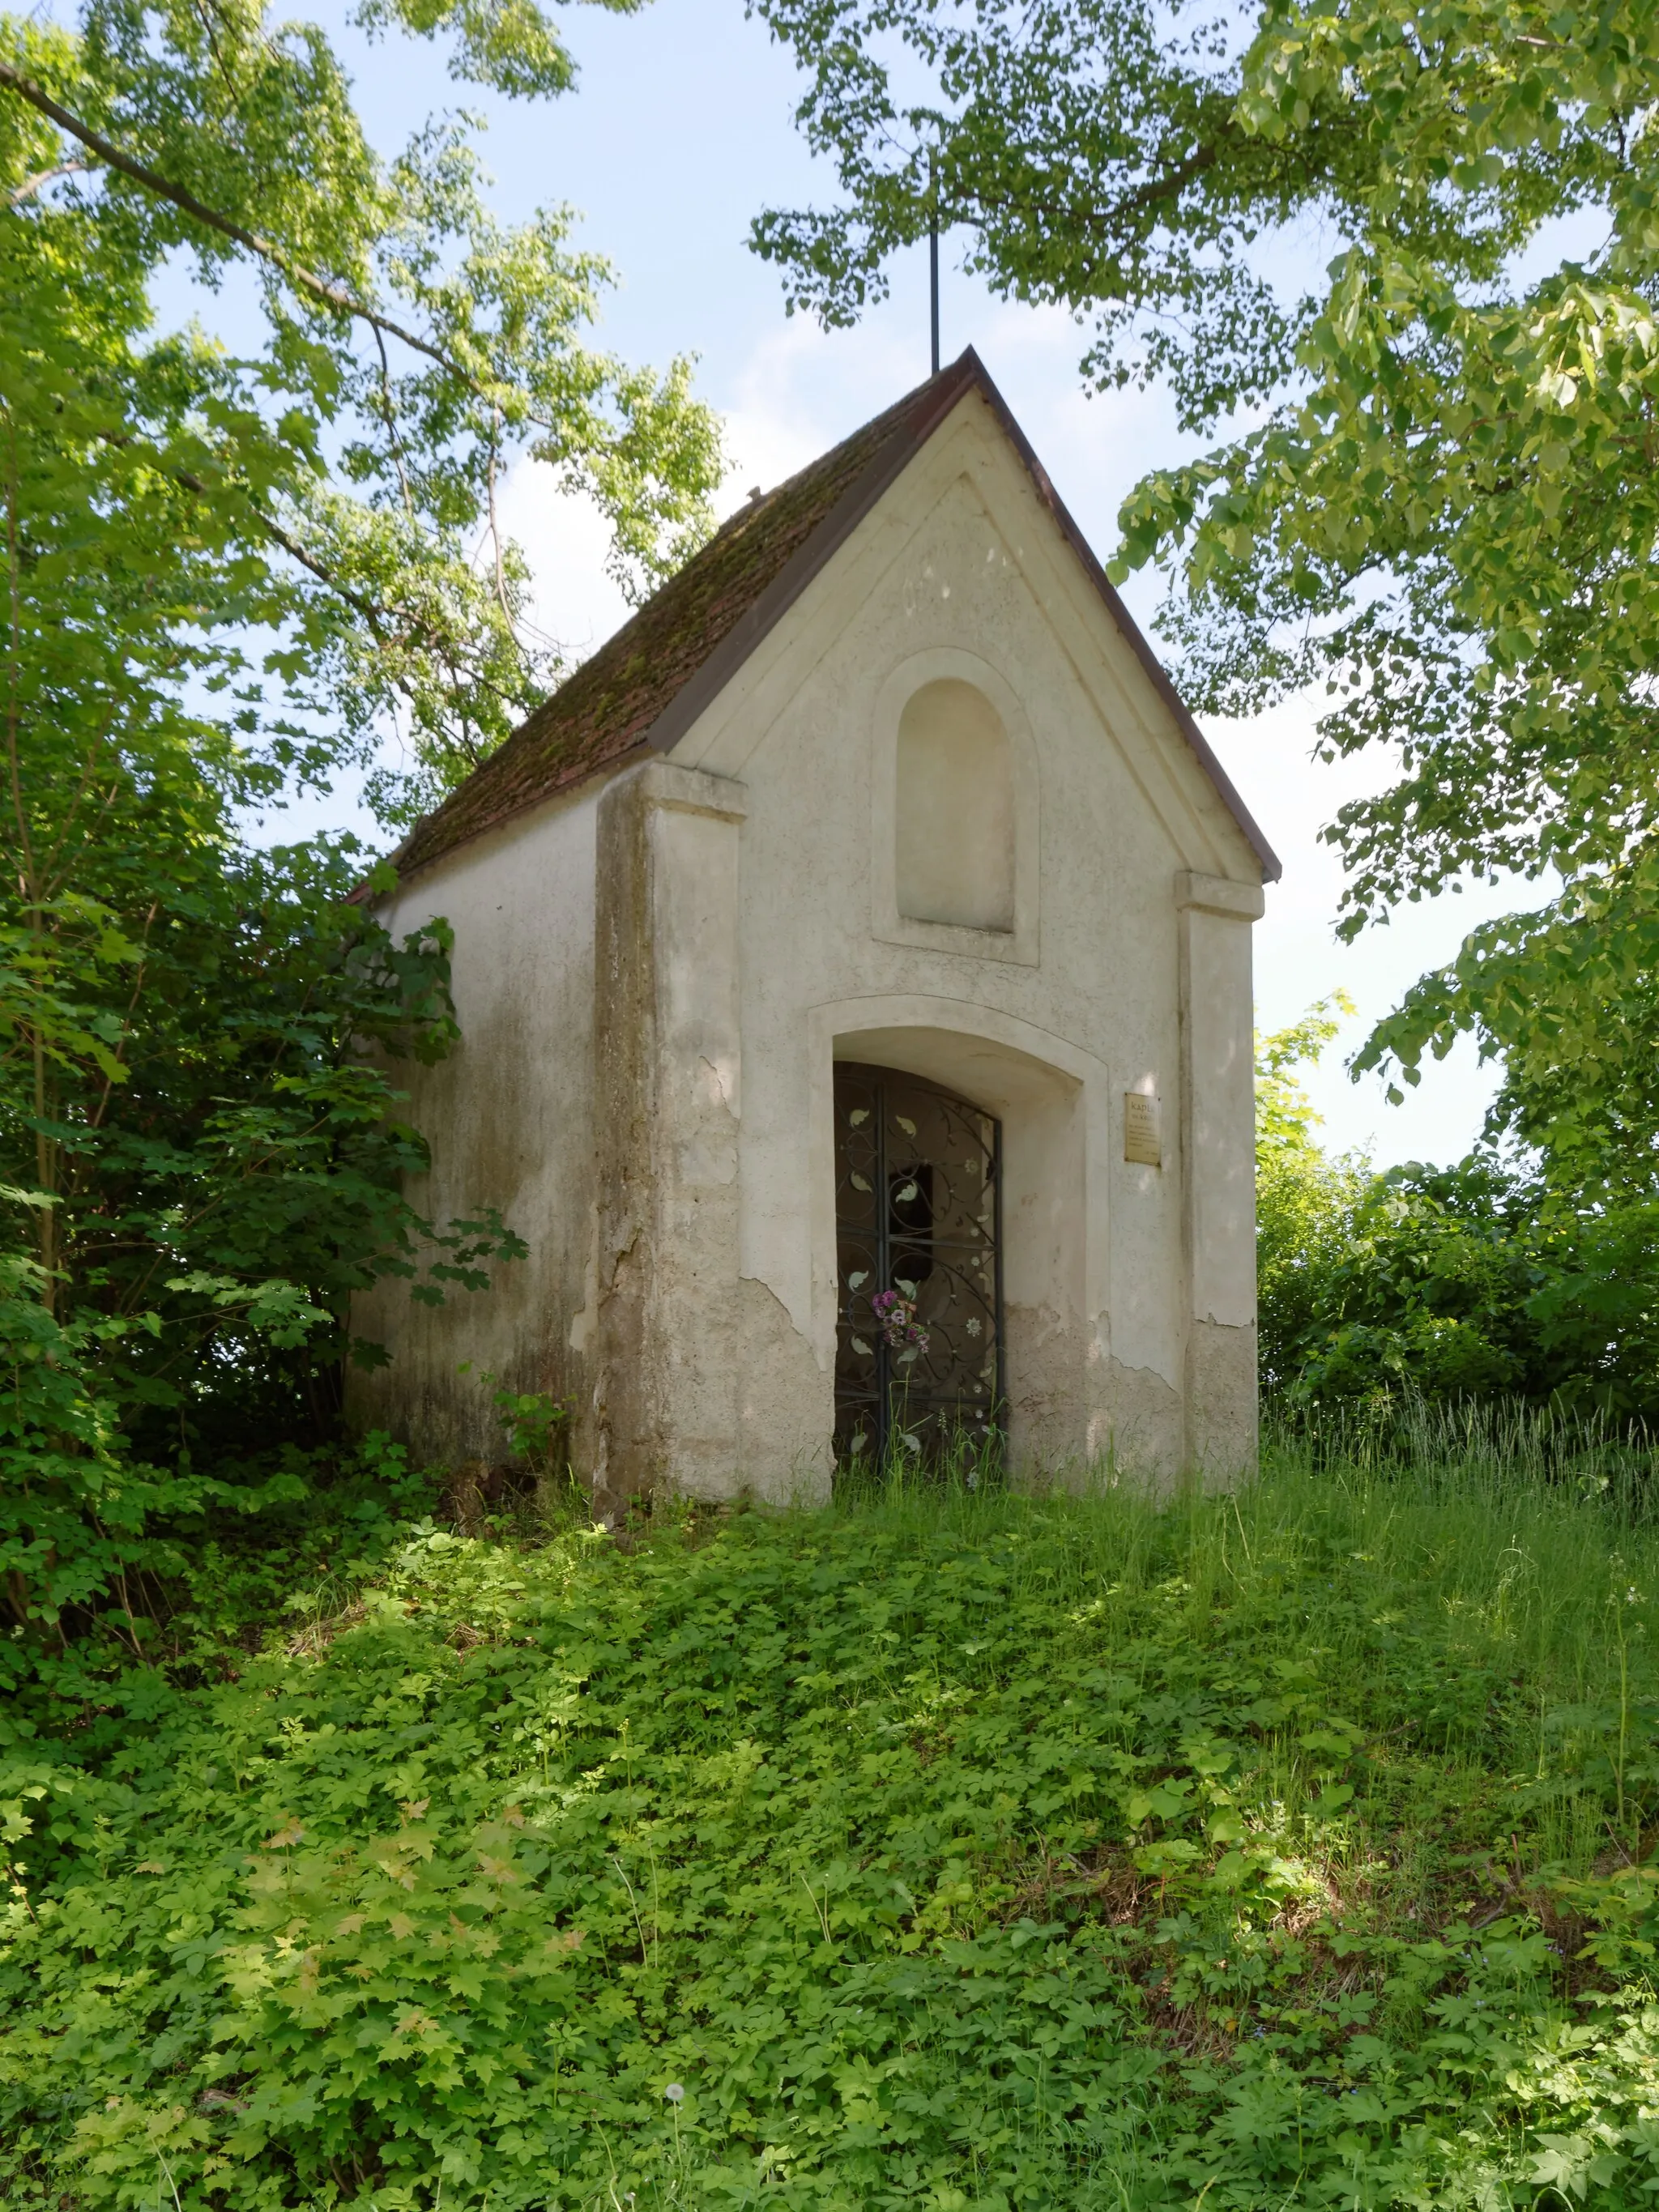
(919, 1333)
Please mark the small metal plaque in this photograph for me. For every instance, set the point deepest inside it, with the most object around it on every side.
(1141, 1142)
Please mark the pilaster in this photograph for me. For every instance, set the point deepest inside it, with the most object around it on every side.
(1218, 1151)
(668, 1070)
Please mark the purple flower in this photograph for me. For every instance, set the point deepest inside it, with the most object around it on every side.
(895, 1317)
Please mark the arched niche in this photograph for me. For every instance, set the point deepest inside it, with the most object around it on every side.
(954, 810)
(953, 827)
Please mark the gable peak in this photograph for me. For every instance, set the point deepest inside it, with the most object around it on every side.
(642, 689)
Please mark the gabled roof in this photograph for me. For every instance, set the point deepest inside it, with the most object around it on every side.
(646, 684)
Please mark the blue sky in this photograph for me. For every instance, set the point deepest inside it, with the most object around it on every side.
(679, 131)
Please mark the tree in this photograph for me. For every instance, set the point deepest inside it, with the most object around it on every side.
(225, 578)
(413, 346)
(1304, 1200)
(1443, 502)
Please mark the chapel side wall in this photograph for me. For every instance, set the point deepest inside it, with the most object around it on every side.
(508, 1117)
(945, 580)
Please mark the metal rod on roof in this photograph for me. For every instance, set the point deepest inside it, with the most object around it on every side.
(932, 255)
(933, 268)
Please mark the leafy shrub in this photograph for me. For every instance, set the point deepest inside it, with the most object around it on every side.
(74, 1508)
(208, 1216)
(983, 1852)
(1428, 1288)
(1484, 1279)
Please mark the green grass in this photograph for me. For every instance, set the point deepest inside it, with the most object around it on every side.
(950, 1849)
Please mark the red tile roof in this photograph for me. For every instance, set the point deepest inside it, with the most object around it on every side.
(646, 684)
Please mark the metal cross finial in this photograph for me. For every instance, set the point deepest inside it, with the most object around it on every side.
(933, 268)
(932, 255)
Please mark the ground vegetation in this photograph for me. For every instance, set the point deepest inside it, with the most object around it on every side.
(1283, 1847)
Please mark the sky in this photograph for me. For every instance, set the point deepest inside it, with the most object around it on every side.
(679, 131)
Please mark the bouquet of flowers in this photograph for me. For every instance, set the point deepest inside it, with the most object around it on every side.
(895, 1317)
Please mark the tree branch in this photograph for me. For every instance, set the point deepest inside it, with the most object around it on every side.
(41, 179)
(385, 621)
(306, 280)
(376, 617)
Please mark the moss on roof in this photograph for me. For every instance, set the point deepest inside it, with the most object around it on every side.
(607, 707)
(699, 626)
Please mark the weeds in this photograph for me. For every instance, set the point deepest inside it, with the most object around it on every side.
(949, 1846)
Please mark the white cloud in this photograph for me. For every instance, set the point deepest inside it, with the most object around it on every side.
(565, 539)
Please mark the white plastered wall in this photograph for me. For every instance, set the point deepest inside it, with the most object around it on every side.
(509, 1119)
(961, 571)
(681, 1288)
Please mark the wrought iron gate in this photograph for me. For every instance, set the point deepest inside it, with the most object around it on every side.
(919, 1344)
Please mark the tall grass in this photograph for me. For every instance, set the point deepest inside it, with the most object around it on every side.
(1520, 1548)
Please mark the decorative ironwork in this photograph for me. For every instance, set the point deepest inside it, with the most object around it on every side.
(919, 1252)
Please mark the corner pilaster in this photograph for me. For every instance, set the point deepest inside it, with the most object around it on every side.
(1218, 1149)
(668, 1068)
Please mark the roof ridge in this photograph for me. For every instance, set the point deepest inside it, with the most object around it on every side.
(648, 682)
(611, 704)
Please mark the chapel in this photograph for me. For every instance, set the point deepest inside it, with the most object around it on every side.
(853, 964)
